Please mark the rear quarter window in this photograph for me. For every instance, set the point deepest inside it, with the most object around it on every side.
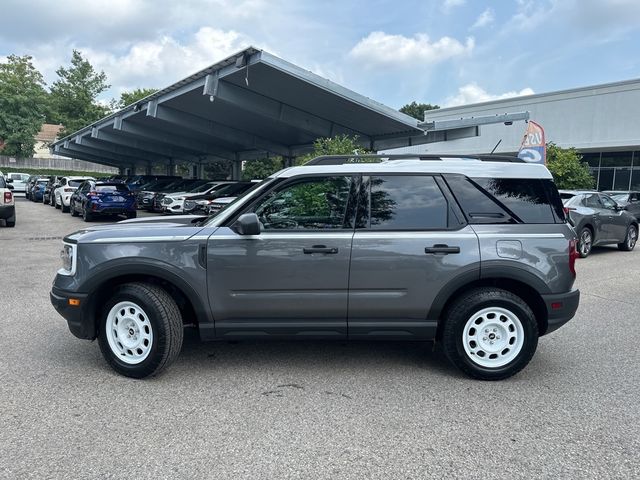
(507, 200)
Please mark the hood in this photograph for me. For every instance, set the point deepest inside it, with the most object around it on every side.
(154, 229)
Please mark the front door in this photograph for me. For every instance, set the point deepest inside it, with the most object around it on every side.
(292, 279)
(408, 245)
(616, 219)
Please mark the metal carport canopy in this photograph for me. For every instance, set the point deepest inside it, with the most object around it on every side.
(248, 106)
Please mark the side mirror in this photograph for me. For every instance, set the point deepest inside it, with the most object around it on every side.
(247, 224)
(9, 186)
(619, 207)
(9, 180)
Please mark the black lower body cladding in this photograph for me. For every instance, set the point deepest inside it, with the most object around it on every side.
(560, 309)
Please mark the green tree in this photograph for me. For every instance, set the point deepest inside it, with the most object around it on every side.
(261, 168)
(22, 105)
(338, 145)
(567, 168)
(74, 95)
(127, 98)
(416, 110)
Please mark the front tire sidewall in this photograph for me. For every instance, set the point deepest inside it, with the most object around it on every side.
(453, 338)
(156, 355)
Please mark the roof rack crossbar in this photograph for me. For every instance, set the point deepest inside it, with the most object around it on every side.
(344, 159)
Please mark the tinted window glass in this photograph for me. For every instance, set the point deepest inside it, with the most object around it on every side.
(607, 202)
(75, 183)
(2, 182)
(406, 203)
(592, 201)
(526, 199)
(477, 204)
(312, 204)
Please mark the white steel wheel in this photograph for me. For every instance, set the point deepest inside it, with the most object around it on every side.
(493, 337)
(129, 332)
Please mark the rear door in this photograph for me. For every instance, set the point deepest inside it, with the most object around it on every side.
(409, 243)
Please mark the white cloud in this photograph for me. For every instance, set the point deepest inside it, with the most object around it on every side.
(473, 93)
(486, 18)
(449, 5)
(380, 49)
(166, 60)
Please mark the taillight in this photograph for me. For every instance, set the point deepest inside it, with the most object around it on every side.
(573, 255)
(8, 196)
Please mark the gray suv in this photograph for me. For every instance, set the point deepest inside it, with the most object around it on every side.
(472, 252)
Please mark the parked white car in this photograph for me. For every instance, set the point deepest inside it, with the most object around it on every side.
(62, 194)
(7, 203)
(174, 202)
(19, 181)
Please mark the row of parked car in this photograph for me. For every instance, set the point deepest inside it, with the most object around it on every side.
(120, 195)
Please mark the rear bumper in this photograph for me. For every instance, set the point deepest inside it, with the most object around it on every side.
(78, 318)
(560, 308)
(7, 211)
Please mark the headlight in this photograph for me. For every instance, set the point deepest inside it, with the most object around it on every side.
(68, 257)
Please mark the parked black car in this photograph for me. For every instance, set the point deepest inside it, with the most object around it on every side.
(48, 190)
(630, 199)
(599, 220)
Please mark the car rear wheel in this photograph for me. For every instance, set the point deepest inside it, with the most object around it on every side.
(630, 240)
(141, 331)
(490, 334)
(585, 242)
(86, 216)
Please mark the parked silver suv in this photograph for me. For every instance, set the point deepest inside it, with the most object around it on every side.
(473, 252)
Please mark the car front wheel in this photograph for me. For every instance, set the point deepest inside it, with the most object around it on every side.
(141, 331)
(72, 208)
(490, 334)
(630, 240)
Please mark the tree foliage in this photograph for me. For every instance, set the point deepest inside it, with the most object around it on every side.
(22, 105)
(416, 110)
(74, 94)
(567, 168)
(261, 168)
(127, 98)
(338, 145)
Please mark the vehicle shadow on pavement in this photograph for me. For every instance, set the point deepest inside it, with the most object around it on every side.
(317, 354)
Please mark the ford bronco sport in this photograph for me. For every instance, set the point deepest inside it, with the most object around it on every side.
(473, 252)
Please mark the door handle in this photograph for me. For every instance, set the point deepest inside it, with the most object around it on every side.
(442, 249)
(320, 249)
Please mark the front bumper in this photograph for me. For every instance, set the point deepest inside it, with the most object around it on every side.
(79, 318)
(560, 308)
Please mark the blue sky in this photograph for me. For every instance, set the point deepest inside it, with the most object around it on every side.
(436, 51)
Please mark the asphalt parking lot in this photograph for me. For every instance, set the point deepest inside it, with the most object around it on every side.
(312, 410)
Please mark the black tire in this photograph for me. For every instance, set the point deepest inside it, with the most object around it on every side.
(630, 239)
(64, 209)
(166, 325)
(86, 216)
(468, 306)
(72, 208)
(585, 242)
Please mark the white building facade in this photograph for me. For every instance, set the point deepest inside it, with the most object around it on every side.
(601, 121)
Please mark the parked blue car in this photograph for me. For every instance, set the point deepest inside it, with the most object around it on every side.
(37, 191)
(95, 198)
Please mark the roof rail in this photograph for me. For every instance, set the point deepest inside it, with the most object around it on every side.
(371, 158)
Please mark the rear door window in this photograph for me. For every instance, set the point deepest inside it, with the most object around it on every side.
(403, 202)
